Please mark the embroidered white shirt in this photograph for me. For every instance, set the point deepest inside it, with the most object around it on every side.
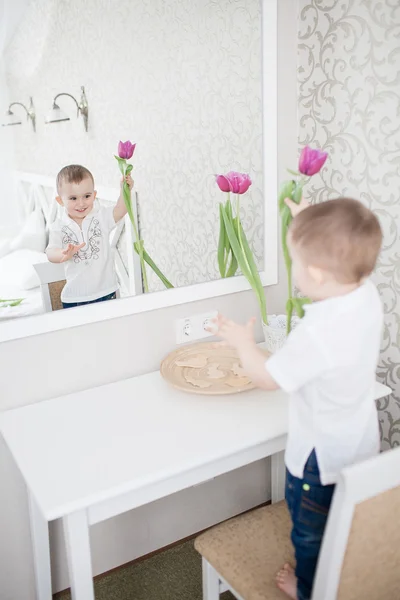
(328, 366)
(90, 273)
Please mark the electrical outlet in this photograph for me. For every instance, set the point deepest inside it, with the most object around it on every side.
(194, 328)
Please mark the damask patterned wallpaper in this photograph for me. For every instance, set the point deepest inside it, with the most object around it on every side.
(180, 77)
(349, 104)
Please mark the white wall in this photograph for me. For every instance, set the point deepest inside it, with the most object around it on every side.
(35, 369)
(9, 215)
(10, 14)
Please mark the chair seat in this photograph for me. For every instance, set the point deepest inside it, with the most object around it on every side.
(248, 551)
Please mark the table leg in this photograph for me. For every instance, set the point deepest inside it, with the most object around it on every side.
(278, 476)
(76, 529)
(41, 550)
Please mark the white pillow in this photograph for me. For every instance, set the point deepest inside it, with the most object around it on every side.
(32, 235)
(4, 247)
(16, 269)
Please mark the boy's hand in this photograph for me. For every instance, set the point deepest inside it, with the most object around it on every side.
(252, 358)
(127, 179)
(69, 251)
(232, 333)
(120, 210)
(295, 209)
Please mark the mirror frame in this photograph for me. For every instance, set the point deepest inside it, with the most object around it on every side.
(54, 321)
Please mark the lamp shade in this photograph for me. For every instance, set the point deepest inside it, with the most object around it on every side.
(56, 115)
(11, 119)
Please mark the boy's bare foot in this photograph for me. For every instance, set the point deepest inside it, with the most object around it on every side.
(286, 581)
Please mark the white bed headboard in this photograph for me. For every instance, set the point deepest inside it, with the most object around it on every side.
(39, 191)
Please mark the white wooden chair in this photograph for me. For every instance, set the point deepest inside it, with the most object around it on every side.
(359, 558)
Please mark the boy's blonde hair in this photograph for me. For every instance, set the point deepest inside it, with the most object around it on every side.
(340, 236)
(72, 174)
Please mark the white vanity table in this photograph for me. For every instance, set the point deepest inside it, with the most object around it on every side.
(92, 455)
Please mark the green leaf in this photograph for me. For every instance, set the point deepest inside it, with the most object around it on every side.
(128, 204)
(286, 191)
(299, 304)
(233, 267)
(152, 265)
(295, 173)
(228, 210)
(244, 264)
(235, 226)
(298, 192)
(121, 164)
(11, 301)
(236, 249)
(255, 274)
(221, 244)
(16, 302)
(128, 169)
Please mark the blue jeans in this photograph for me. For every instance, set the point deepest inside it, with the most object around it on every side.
(103, 299)
(308, 502)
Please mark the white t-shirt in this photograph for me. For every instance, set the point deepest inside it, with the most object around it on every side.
(328, 366)
(90, 273)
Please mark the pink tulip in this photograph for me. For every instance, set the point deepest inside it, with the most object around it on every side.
(238, 183)
(311, 161)
(223, 183)
(126, 149)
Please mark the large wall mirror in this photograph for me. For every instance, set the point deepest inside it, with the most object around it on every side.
(193, 85)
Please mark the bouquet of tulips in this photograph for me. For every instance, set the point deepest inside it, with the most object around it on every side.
(233, 248)
(310, 163)
(125, 152)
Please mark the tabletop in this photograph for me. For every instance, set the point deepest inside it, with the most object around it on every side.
(90, 446)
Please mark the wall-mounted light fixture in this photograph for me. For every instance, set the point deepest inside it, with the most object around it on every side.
(12, 119)
(56, 114)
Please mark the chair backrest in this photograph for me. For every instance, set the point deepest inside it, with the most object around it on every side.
(359, 555)
(52, 281)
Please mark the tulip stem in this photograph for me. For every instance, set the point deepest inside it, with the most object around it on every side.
(128, 204)
(138, 243)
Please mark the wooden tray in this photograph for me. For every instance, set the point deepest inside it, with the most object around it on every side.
(206, 368)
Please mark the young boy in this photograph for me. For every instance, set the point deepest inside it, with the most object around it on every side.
(80, 239)
(327, 365)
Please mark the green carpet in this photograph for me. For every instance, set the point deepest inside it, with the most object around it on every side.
(174, 574)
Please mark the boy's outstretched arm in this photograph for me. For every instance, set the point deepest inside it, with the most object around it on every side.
(252, 358)
(60, 255)
(120, 208)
